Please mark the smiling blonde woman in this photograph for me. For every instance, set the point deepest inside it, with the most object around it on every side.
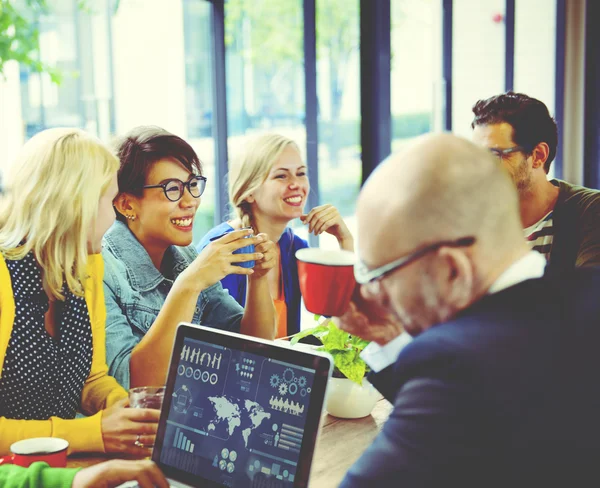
(56, 207)
(268, 188)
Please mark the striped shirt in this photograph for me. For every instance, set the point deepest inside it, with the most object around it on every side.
(540, 235)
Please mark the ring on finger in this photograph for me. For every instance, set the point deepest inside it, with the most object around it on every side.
(138, 443)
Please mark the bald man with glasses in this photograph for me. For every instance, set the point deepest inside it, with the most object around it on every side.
(560, 220)
(490, 364)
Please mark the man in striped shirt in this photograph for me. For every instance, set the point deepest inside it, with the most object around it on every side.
(539, 235)
(560, 220)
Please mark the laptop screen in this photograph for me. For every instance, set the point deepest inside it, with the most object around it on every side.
(238, 415)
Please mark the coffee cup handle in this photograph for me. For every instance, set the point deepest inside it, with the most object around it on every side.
(7, 459)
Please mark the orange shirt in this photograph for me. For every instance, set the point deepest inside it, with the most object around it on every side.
(281, 308)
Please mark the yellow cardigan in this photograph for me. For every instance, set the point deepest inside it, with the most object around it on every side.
(99, 391)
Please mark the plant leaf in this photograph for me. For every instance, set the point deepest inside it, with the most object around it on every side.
(316, 331)
(336, 338)
(343, 347)
(350, 365)
(358, 343)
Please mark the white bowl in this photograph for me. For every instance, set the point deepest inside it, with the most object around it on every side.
(347, 400)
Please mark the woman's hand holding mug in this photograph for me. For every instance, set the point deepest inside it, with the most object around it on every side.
(219, 259)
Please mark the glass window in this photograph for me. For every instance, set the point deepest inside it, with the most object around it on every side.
(83, 98)
(535, 51)
(44, 103)
(198, 55)
(95, 61)
(198, 67)
(478, 52)
(12, 127)
(414, 75)
(265, 72)
(338, 91)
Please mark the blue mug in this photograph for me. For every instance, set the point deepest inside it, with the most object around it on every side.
(249, 249)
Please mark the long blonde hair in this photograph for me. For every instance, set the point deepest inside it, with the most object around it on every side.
(51, 204)
(251, 169)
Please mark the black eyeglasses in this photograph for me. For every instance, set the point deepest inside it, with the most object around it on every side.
(363, 275)
(174, 188)
(500, 153)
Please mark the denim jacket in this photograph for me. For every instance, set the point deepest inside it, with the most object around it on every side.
(135, 292)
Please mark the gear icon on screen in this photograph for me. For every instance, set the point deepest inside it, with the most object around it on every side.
(302, 381)
(283, 388)
(275, 380)
(288, 375)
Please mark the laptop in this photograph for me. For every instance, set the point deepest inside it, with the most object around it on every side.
(239, 411)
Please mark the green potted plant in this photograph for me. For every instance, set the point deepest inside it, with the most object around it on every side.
(349, 394)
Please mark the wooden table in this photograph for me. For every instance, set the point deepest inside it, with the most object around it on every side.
(340, 444)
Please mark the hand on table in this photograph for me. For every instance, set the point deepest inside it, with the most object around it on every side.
(129, 430)
(112, 473)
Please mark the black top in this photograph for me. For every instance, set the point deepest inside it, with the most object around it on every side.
(43, 376)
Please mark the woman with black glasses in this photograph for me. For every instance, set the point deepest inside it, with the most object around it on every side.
(153, 278)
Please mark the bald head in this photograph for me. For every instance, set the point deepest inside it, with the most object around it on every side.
(441, 187)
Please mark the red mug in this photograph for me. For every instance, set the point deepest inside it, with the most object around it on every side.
(51, 450)
(326, 280)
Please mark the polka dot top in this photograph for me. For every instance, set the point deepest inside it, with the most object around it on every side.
(43, 376)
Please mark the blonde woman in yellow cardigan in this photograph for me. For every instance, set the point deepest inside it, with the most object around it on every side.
(56, 208)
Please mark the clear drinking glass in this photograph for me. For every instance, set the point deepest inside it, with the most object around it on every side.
(146, 397)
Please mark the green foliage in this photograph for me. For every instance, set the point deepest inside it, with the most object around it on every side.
(272, 33)
(343, 347)
(275, 30)
(20, 35)
(337, 30)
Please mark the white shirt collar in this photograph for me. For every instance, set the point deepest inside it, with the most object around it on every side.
(530, 266)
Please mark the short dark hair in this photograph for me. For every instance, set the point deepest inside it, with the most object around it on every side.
(144, 145)
(529, 118)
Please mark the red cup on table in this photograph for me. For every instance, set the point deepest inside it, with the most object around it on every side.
(326, 280)
(51, 450)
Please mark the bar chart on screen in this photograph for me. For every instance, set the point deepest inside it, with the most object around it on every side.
(180, 441)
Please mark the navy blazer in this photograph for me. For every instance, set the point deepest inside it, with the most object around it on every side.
(506, 394)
